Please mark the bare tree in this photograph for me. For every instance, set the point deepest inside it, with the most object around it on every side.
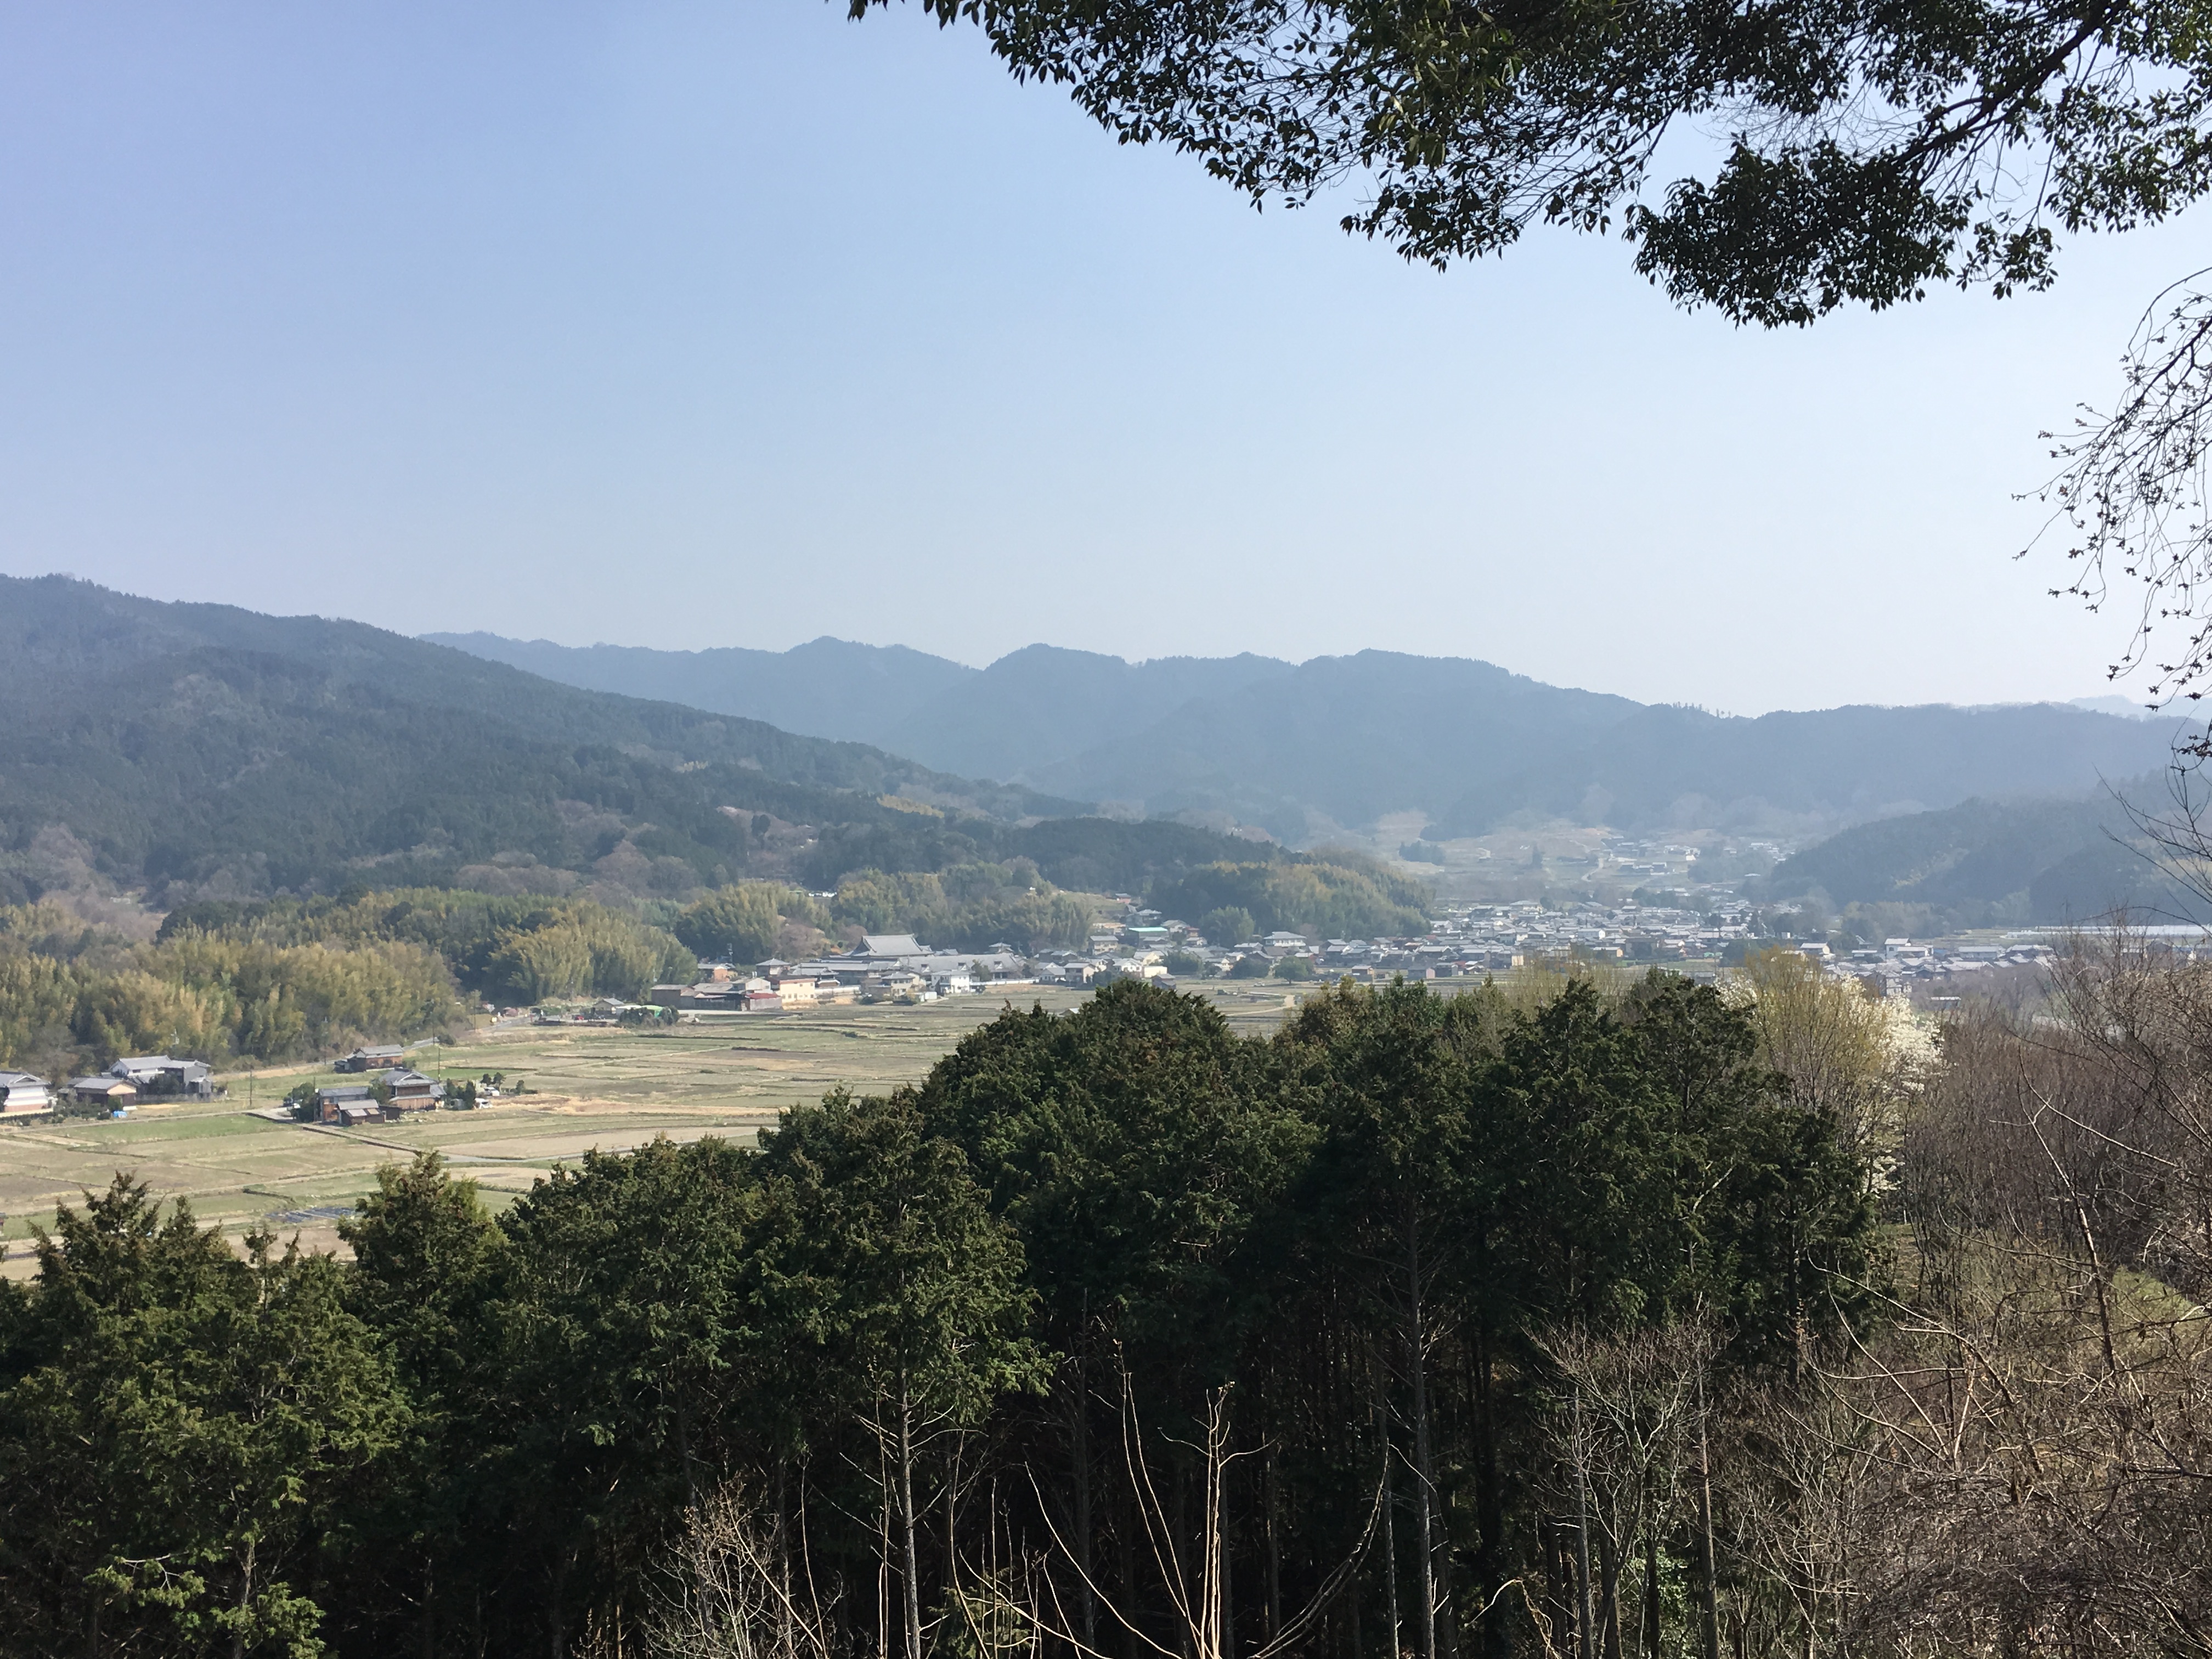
(729, 1590)
(1193, 1571)
(1623, 1438)
(2021, 1461)
(2131, 492)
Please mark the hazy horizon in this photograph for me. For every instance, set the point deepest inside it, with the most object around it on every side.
(690, 326)
(2107, 702)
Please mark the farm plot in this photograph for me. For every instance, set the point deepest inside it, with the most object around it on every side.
(587, 1087)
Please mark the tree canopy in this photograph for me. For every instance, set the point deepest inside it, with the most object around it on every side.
(1863, 150)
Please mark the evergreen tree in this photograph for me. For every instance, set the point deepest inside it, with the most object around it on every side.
(178, 1428)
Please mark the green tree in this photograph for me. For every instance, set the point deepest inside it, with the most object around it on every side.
(176, 1426)
(737, 923)
(427, 1256)
(1342, 897)
(1473, 125)
(1775, 1190)
(1143, 1154)
(649, 1321)
(1228, 925)
(1389, 1177)
(929, 1309)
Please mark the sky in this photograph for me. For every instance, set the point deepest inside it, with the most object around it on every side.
(684, 324)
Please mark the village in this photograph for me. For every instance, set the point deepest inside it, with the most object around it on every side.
(1466, 943)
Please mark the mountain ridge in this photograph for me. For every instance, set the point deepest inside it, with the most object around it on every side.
(1311, 751)
(206, 751)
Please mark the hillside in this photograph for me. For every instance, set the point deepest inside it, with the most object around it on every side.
(2042, 861)
(1836, 765)
(1305, 750)
(204, 751)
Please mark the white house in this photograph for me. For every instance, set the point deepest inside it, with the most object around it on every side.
(22, 1094)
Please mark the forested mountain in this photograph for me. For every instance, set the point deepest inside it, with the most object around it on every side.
(1043, 710)
(1034, 708)
(2047, 860)
(828, 687)
(1305, 750)
(207, 751)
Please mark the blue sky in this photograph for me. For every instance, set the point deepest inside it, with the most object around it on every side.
(690, 325)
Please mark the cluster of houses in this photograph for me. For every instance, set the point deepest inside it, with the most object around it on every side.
(1469, 941)
(888, 968)
(394, 1088)
(1152, 947)
(1901, 965)
(121, 1086)
(1487, 938)
(1143, 945)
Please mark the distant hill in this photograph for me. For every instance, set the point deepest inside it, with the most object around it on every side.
(2040, 862)
(827, 688)
(205, 752)
(1837, 765)
(1305, 750)
(1043, 711)
(1032, 709)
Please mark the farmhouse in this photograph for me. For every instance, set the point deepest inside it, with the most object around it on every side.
(22, 1095)
(159, 1074)
(410, 1091)
(898, 983)
(347, 1104)
(103, 1091)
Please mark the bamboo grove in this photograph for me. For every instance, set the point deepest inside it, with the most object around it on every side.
(1589, 1319)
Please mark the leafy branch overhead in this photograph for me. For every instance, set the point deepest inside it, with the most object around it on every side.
(1867, 150)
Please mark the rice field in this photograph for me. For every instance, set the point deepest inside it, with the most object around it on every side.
(588, 1087)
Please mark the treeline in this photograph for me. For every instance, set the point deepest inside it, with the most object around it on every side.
(508, 948)
(975, 905)
(970, 906)
(1119, 1335)
(1335, 896)
(1081, 854)
(73, 1000)
(293, 979)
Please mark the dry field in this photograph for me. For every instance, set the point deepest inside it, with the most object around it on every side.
(588, 1088)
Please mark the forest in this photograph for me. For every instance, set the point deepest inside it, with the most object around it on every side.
(1588, 1314)
(293, 978)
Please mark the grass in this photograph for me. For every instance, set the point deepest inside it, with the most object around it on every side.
(589, 1087)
